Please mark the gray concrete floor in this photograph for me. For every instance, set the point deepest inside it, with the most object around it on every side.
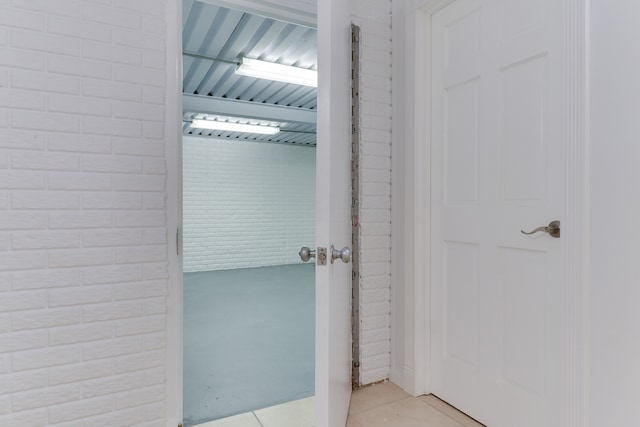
(248, 339)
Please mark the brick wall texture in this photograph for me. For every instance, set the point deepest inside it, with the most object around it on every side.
(246, 204)
(83, 234)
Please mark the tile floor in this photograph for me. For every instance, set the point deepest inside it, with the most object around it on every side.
(380, 405)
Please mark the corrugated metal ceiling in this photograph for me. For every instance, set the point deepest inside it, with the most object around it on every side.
(214, 41)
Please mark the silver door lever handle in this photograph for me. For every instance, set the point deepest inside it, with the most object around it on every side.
(553, 229)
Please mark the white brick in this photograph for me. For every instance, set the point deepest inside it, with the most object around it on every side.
(112, 274)
(368, 296)
(5, 282)
(140, 254)
(12, 383)
(22, 19)
(17, 98)
(79, 181)
(53, 356)
(111, 53)
(45, 200)
(5, 360)
(46, 122)
(154, 411)
(139, 361)
(111, 17)
(22, 260)
(140, 219)
(80, 295)
(130, 74)
(156, 270)
(140, 325)
(80, 257)
(112, 384)
(35, 418)
(44, 82)
(139, 397)
(138, 147)
(375, 322)
(139, 183)
(18, 341)
(77, 372)
(148, 7)
(41, 279)
(45, 239)
(80, 333)
(5, 404)
(16, 301)
(154, 201)
(156, 341)
(21, 139)
(79, 105)
(108, 126)
(79, 67)
(46, 318)
(21, 59)
(81, 409)
(138, 40)
(111, 90)
(153, 130)
(78, 29)
(377, 335)
(93, 238)
(124, 418)
(5, 241)
(136, 110)
(79, 219)
(112, 311)
(154, 288)
(45, 42)
(155, 376)
(114, 200)
(155, 236)
(54, 7)
(45, 397)
(111, 348)
(47, 161)
(80, 143)
(21, 180)
(122, 164)
(153, 95)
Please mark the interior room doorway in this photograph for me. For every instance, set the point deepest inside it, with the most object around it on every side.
(248, 207)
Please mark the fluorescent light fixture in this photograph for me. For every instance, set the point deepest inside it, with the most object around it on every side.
(277, 72)
(234, 127)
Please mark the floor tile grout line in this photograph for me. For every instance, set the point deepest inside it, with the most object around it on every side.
(257, 419)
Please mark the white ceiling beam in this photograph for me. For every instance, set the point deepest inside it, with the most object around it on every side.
(234, 108)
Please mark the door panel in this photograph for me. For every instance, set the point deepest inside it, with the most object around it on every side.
(496, 156)
(333, 213)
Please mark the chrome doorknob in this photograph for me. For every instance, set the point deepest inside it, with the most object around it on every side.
(306, 254)
(344, 254)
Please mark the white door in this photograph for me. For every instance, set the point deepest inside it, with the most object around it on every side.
(333, 219)
(497, 156)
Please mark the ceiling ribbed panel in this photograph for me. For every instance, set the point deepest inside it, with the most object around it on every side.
(215, 39)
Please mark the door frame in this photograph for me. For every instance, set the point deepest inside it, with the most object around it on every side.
(173, 155)
(411, 144)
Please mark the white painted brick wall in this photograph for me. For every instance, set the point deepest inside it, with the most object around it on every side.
(83, 256)
(246, 204)
(374, 19)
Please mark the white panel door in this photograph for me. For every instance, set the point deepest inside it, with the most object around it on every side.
(497, 156)
(333, 218)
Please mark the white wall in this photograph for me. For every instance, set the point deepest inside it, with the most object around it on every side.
(615, 213)
(374, 19)
(83, 240)
(246, 204)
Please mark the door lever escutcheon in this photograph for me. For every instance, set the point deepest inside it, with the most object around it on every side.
(553, 229)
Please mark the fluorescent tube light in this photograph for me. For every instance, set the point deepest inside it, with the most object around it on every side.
(277, 72)
(234, 127)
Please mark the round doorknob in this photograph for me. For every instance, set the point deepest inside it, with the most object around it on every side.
(344, 254)
(306, 254)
